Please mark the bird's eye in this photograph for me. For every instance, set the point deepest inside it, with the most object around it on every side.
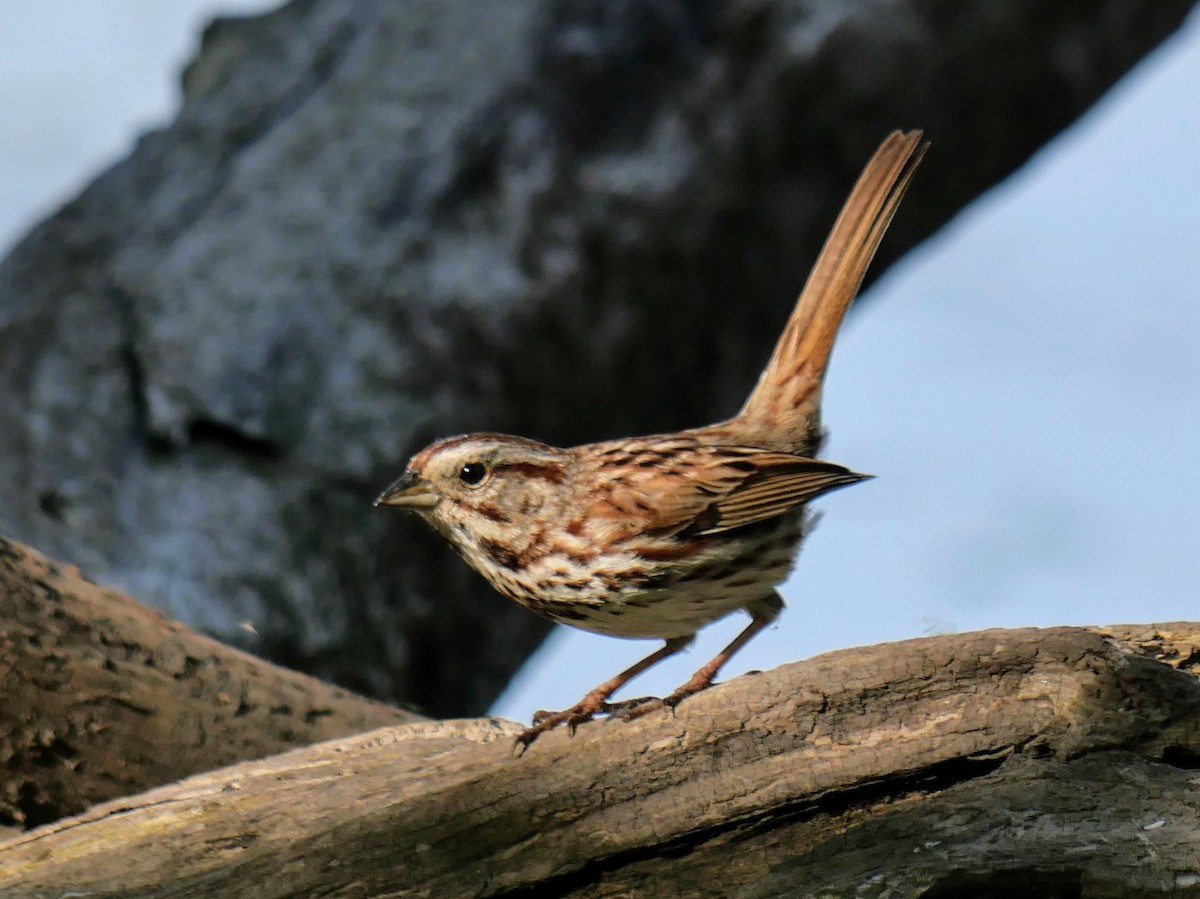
(472, 474)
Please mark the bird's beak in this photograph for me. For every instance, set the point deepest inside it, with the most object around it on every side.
(409, 491)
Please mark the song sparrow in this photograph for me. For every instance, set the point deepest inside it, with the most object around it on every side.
(658, 536)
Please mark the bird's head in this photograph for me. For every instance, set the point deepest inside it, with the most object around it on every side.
(479, 486)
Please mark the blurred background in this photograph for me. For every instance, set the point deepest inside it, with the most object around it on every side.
(1025, 384)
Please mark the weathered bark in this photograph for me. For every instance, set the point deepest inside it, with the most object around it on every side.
(375, 222)
(973, 764)
(101, 697)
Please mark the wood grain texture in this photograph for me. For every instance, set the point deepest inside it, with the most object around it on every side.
(103, 697)
(944, 766)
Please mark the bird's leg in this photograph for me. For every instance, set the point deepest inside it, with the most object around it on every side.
(596, 700)
(762, 615)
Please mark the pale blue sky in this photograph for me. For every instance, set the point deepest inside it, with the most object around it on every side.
(1026, 385)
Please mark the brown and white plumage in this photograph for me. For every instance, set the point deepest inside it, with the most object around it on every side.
(658, 536)
(663, 515)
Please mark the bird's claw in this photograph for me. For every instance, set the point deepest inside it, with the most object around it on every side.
(638, 708)
(544, 721)
(625, 710)
(629, 709)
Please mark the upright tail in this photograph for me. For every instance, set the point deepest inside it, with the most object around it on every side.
(786, 401)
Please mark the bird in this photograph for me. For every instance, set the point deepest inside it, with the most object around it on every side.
(658, 536)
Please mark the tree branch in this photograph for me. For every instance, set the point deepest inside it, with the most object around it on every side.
(975, 762)
(104, 697)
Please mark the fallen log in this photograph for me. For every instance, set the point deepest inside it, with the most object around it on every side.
(103, 697)
(970, 764)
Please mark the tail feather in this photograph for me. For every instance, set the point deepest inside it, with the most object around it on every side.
(786, 400)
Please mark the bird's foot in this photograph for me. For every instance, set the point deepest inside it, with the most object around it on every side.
(580, 713)
(638, 708)
(629, 709)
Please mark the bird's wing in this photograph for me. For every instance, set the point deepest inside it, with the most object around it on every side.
(697, 489)
(777, 483)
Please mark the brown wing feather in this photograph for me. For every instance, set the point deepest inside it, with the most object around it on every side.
(780, 486)
(708, 489)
